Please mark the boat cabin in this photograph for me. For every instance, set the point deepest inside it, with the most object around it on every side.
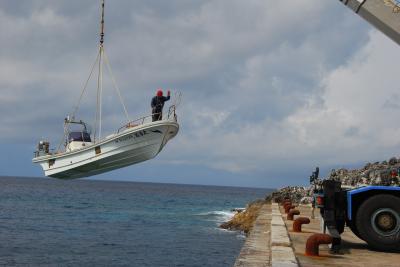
(77, 140)
(79, 137)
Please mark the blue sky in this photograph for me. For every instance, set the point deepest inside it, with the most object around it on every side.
(271, 89)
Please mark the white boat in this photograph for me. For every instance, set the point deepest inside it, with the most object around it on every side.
(128, 146)
(85, 154)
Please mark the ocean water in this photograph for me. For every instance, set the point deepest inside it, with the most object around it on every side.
(50, 222)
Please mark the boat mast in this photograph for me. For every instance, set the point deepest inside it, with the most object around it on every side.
(100, 75)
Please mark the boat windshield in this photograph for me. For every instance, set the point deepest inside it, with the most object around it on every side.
(79, 136)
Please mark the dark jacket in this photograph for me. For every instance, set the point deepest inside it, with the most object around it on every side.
(157, 103)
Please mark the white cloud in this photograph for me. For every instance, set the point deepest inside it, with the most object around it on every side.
(349, 117)
(265, 82)
(352, 121)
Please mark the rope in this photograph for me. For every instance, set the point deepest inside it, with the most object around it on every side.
(116, 86)
(85, 86)
(79, 101)
(63, 138)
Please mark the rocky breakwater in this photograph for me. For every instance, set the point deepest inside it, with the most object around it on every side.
(244, 220)
(298, 194)
(386, 173)
(379, 173)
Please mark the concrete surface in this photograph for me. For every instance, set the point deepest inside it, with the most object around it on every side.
(268, 243)
(355, 251)
(273, 243)
(256, 249)
(282, 254)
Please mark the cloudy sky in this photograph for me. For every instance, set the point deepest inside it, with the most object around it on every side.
(271, 89)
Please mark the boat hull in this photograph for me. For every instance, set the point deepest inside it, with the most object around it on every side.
(131, 146)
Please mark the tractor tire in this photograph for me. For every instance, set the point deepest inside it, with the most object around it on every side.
(378, 222)
(354, 229)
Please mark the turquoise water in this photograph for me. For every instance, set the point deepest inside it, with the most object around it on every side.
(103, 223)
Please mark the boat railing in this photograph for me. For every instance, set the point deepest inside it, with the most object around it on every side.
(171, 115)
(37, 153)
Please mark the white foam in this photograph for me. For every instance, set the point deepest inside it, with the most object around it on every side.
(219, 215)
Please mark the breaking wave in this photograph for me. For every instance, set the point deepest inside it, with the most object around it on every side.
(218, 215)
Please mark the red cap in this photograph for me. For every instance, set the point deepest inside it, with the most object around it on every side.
(159, 92)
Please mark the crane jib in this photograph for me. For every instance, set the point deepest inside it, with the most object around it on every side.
(383, 14)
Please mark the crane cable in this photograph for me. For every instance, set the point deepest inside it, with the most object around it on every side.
(116, 86)
(101, 56)
(79, 101)
(85, 87)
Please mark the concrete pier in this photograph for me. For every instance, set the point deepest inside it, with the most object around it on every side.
(268, 244)
(256, 250)
(282, 254)
(272, 243)
(354, 253)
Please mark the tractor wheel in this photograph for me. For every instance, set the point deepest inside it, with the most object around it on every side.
(354, 229)
(378, 222)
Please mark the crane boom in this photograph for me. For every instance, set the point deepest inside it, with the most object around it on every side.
(383, 14)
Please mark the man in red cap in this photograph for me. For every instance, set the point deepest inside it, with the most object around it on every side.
(157, 104)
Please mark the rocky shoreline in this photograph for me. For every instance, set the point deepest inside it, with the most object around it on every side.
(244, 220)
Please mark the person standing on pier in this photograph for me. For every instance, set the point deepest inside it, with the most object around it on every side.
(157, 104)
